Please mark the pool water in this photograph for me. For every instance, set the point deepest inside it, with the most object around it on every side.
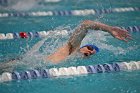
(111, 50)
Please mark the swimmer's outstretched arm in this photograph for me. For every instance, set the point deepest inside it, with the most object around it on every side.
(81, 31)
(117, 32)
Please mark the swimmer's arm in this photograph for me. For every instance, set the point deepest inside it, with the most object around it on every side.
(88, 24)
(116, 32)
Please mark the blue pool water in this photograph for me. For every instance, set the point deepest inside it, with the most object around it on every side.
(111, 50)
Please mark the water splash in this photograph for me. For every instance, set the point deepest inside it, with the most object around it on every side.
(35, 56)
(24, 5)
(20, 5)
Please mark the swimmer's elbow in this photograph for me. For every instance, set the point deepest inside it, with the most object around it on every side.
(88, 24)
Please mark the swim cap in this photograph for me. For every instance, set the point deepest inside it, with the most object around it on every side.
(93, 46)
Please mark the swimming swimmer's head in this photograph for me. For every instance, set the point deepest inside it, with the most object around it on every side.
(89, 49)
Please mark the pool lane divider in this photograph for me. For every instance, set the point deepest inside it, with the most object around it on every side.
(84, 12)
(25, 35)
(69, 71)
(41, 34)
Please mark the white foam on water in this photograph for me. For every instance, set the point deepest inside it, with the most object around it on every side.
(24, 5)
(20, 5)
(49, 44)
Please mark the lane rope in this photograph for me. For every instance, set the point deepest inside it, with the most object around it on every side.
(70, 12)
(25, 35)
(42, 34)
(69, 71)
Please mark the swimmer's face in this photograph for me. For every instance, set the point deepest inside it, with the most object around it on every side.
(87, 51)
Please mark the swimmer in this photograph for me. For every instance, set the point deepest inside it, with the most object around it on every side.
(73, 44)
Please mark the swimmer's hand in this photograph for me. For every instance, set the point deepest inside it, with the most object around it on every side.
(120, 34)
